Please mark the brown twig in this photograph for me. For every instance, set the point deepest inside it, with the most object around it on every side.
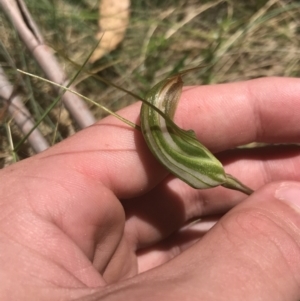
(20, 114)
(20, 17)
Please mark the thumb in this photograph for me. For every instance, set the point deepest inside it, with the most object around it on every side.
(253, 253)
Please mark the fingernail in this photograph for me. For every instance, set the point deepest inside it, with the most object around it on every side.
(290, 194)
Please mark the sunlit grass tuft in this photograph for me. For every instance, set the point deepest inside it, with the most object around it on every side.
(238, 40)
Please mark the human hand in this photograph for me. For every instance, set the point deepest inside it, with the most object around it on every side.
(84, 219)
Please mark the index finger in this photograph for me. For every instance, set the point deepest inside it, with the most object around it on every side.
(222, 116)
(227, 115)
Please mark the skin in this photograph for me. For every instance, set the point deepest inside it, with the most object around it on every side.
(97, 218)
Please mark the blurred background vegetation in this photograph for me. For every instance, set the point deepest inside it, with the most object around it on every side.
(237, 40)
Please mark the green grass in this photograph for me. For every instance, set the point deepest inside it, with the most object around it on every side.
(238, 40)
